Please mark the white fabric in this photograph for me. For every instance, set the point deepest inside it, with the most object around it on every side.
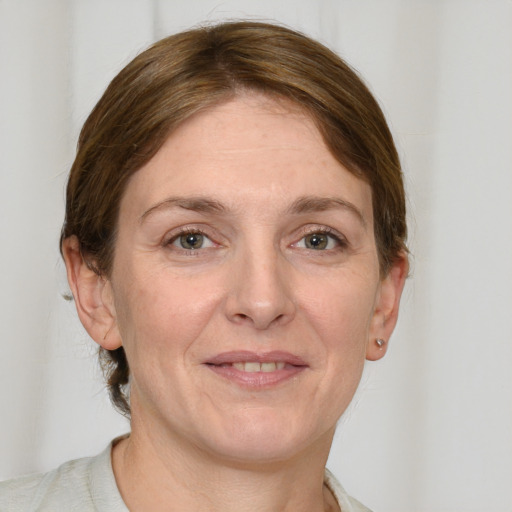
(88, 485)
(82, 485)
(435, 416)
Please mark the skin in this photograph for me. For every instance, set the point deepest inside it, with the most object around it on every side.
(255, 180)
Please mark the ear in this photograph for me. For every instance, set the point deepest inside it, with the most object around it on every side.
(93, 296)
(385, 313)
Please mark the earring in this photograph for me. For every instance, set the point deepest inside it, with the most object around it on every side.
(380, 342)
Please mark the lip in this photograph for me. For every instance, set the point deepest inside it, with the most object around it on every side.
(220, 365)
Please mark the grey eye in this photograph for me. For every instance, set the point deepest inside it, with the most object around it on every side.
(191, 241)
(316, 241)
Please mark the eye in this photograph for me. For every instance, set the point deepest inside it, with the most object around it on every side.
(191, 241)
(319, 241)
(316, 241)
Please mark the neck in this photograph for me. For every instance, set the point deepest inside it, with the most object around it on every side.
(153, 471)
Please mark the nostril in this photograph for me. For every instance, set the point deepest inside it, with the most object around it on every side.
(241, 317)
(265, 322)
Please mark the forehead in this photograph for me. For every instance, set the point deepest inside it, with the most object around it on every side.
(251, 149)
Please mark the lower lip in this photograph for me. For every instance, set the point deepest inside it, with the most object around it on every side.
(257, 380)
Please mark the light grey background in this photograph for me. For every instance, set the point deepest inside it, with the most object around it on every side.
(431, 429)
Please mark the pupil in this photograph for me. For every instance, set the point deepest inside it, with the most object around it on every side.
(192, 241)
(316, 241)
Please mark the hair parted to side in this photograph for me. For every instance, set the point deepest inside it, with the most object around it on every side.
(189, 72)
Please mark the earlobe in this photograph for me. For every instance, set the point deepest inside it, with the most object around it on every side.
(93, 296)
(386, 309)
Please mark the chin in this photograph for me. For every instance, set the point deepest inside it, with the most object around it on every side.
(264, 440)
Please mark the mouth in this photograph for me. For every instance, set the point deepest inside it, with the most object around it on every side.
(254, 366)
(253, 370)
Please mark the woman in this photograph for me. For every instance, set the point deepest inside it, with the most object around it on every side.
(235, 243)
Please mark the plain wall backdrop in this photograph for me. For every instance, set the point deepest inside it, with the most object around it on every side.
(431, 428)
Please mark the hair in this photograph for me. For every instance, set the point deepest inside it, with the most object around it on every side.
(189, 72)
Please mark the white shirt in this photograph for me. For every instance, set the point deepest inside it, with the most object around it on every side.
(89, 485)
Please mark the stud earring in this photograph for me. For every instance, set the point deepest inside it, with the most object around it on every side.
(380, 342)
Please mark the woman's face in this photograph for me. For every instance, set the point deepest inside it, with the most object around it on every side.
(245, 284)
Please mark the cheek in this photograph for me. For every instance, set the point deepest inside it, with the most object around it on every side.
(342, 310)
(160, 311)
(341, 317)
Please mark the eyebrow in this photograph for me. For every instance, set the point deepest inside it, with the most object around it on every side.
(197, 204)
(304, 204)
(310, 204)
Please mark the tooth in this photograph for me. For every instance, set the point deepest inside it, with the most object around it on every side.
(252, 367)
(268, 367)
(239, 366)
(280, 365)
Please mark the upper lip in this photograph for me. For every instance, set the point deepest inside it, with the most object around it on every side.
(241, 356)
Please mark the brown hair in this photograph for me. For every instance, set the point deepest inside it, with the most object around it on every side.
(191, 71)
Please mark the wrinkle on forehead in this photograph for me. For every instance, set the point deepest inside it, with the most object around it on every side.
(248, 150)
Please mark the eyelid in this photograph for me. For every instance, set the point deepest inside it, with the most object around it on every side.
(340, 239)
(207, 241)
(176, 233)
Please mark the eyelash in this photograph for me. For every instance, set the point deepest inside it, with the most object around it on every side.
(341, 242)
(186, 231)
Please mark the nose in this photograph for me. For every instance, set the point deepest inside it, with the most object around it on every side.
(260, 295)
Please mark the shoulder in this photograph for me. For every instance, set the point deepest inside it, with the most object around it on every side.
(60, 487)
(83, 485)
(346, 502)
